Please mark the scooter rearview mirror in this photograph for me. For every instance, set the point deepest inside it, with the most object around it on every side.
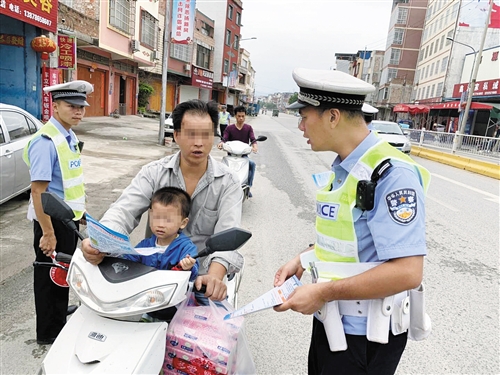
(261, 138)
(227, 240)
(57, 209)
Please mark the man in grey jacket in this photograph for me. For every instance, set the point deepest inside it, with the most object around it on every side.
(215, 193)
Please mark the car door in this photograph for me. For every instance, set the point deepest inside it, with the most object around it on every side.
(7, 164)
(19, 133)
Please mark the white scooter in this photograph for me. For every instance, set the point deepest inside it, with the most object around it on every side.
(236, 160)
(105, 335)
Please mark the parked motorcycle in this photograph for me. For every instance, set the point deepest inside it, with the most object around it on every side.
(237, 161)
(105, 334)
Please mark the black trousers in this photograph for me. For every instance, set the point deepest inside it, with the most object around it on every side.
(361, 357)
(222, 129)
(51, 300)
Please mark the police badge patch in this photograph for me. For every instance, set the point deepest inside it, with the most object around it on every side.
(402, 205)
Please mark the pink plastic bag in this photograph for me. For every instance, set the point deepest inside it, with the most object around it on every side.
(201, 342)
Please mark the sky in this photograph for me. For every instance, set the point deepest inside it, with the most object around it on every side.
(307, 34)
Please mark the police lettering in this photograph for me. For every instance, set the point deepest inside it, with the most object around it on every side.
(327, 211)
(75, 164)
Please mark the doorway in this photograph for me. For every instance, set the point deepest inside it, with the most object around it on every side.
(123, 96)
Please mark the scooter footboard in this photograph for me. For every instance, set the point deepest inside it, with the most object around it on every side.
(91, 344)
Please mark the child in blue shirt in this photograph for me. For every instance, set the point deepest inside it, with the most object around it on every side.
(168, 216)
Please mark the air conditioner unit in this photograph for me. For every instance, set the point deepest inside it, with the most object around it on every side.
(187, 67)
(155, 55)
(135, 45)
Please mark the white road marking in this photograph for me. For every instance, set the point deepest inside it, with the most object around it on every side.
(490, 197)
(441, 203)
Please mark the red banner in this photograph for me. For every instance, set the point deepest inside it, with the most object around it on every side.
(40, 13)
(202, 78)
(481, 88)
(67, 52)
(50, 76)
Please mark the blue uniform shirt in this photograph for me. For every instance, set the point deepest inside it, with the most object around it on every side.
(44, 161)
(380, 237)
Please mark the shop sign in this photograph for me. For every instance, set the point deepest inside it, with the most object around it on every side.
(202, 78)
(183, 21)
(12, 40)
(481, 88)
(40, 13)
(67, 52)
(50, 76)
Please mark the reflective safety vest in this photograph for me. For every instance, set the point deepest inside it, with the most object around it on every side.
(223, 117)
(336, 239)
(71, 168)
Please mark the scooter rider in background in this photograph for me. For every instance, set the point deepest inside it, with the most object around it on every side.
(215, 191)
(356, 328)
(244, 133)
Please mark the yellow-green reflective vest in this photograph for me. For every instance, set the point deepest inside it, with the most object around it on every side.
(71, 168)
(223, 117)
(336, 239)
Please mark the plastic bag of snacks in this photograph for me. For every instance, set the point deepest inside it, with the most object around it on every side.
(201, 342)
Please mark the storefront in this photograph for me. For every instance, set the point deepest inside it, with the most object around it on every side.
(416, 113)
(20, 23)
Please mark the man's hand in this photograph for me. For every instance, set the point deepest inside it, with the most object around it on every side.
(293, 267)
(216, 288)
(48, 243)
(254, 148)
(92, 255)
(306, 299)
(219, 146)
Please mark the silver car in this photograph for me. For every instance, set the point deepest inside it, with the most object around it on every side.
(16, 128)
(391, 132)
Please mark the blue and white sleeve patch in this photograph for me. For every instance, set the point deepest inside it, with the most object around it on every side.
(402, 205)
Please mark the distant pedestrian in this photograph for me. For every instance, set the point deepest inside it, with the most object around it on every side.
(224, 120)
(53, 156)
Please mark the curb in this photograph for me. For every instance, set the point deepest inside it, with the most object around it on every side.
(468, 164)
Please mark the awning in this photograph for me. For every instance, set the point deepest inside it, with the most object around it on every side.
(413, 109)
(455, 105)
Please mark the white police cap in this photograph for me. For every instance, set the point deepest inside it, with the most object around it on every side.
(329, 88)
(368, 109)
(74, 92)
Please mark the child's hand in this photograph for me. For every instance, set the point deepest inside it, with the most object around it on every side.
(187, 263)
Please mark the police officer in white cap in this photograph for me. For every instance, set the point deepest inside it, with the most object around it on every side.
(53, 156)
(369, 113)
(370, 242)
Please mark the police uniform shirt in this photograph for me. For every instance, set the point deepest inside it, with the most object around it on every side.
(381, 235)
(44, 161)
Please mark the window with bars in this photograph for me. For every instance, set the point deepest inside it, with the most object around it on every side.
(228, 37)
(203, 57)
(119, 14)
(402, 15)
(206, 29)
(398, 36)
(226, 66)
(230, 12)
(395, 56)
(236, 43)
(238, 18)
(181, 52)
(148, 29)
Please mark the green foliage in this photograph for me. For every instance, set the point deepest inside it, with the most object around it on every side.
(145, 92)
(293, 98)
(270, 106)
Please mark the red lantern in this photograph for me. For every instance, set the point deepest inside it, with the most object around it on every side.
(44, 45)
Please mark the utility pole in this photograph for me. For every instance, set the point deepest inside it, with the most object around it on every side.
(472, 84)
(164, 65)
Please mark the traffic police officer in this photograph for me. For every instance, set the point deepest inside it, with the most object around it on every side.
(370, 235)
(369, 113)
(224, 120)
(53, 156)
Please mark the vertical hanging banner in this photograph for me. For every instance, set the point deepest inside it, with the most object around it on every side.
(67, 52)
(473, 14)
(50, 76)
(183, 21)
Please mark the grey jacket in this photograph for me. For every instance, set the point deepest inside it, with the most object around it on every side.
(216, 204)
